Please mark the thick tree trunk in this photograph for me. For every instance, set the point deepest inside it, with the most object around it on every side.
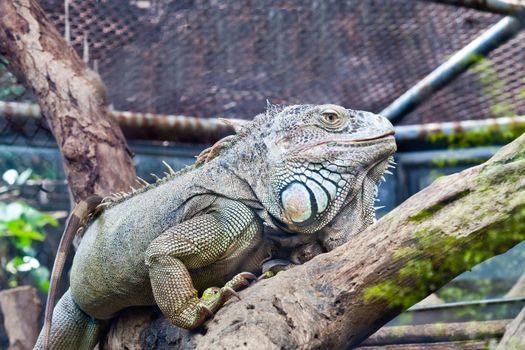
(72, 98)
(339, 298)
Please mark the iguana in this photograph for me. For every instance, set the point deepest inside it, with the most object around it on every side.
(290, 174)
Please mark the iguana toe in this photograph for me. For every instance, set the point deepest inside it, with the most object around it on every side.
(229, 292)
(206, 310)
(248, 276)
(240, 280)
(266, 275)
(214, 297)
(193, 315)
(272, 267)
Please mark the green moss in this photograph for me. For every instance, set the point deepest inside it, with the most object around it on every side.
(419, 275)
(426, 213)
(483, 136)
(429, 212)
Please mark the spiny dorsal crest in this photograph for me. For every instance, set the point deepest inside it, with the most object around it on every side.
(210, 153)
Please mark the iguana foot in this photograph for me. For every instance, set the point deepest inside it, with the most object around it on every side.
(214, 297)
(193, 315)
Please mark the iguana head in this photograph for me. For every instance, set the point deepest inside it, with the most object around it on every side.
(318, 160)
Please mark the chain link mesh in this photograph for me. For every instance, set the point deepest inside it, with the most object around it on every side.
(226, 58)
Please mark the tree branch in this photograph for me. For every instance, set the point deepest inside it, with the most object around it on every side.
(340, 298)
(514, 337)
(72, 98)
(437, 332)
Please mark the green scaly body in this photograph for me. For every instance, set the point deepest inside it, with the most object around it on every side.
(293, 170)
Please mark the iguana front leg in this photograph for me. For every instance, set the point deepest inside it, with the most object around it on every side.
(222, 237)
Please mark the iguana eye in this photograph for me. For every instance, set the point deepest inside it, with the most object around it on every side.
(332, 118)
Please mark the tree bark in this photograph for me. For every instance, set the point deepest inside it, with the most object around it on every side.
(437, 332)
(340, 298)
(514, 337)
(20, 307)
(72, 98)
(449, 345)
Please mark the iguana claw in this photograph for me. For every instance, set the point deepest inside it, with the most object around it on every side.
(206, 310)
(215, 297)
(193, 315)
(240, 280)
(248, 276)
(231, 292)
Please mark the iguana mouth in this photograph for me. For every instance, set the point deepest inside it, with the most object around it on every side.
(389, 135)
(384, 137)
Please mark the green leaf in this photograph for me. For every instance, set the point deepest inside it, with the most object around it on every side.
(12, 265)
(20, 229)
(38, 219)
(3, 229)
(22, 242)
(41, 277)
(17, 261)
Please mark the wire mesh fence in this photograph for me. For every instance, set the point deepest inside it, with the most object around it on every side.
(226, 58)
(26, 131)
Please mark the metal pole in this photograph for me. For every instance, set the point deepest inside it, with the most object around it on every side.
(176, 125)
(424, 131)
(504, 7)
(497, 35)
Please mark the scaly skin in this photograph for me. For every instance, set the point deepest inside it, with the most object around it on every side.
(284, 178)
(78, 217)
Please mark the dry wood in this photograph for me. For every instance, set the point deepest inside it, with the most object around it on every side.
(21, 307)
(72, 98)
(514, 337)
(438, 332)
(453, 345)
(518, 289)
(340, 298)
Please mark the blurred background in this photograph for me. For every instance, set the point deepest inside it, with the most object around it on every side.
(173, 67)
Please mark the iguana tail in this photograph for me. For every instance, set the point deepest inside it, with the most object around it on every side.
(78, 217)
